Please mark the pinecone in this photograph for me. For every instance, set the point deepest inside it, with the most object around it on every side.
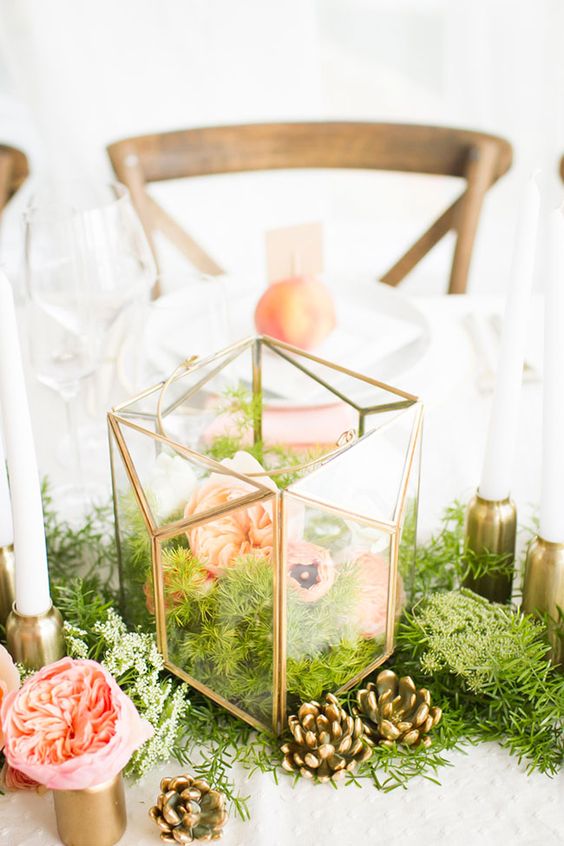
(188, 809)
(327, 741)
(394, 711)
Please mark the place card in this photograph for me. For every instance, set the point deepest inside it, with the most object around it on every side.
(294, 250)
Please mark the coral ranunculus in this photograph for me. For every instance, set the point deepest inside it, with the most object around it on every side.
(9, 680)
(311, 570)
(373, 608)
(246, 530)
(70, 726)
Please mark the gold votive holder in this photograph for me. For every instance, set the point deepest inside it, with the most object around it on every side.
(35, 641)
(543, 590)
(491, 527)
(7, 582)
(95, 816)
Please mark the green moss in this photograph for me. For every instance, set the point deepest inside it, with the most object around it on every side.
(221, 631)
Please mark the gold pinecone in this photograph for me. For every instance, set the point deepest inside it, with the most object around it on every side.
(188, 809)
(327, 741)
(394, 711)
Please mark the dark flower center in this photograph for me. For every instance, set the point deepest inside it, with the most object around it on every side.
(306, 575)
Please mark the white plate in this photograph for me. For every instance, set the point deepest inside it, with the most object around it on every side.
(379, 331)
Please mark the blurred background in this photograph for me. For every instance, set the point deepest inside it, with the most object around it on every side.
(78, 74)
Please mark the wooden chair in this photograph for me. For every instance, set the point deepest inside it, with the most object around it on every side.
(14, 171)
(478, 158)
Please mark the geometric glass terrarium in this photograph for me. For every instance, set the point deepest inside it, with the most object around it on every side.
(266, 505)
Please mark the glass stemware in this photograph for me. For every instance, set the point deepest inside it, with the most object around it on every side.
(87, 264)
(119, 269)
(63, 344)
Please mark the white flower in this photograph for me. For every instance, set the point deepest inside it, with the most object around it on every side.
(75, 641)
(246, 464)
(171, 484)
(369, 505)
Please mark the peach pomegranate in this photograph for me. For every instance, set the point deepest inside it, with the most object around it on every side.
(298, 310)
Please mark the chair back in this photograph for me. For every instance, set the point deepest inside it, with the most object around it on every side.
(14, 171)
(478, 158)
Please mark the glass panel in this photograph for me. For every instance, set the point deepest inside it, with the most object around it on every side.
(227, 408)
(219, 605)
(279, 432)
(408, 527)
(365, 478)
(400, 422)
(351, 388)
(134, 548)
(298, 412)
(193, 400)
(337, 598)
(170, 479)
(143, 407)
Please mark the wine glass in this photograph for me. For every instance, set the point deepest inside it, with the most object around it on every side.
(87, 264)
(119, 273)
(119, 270)
(63, 344)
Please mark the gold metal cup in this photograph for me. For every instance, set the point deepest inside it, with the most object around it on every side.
(95, 816)
(543, 589)
(7, 582)
(35, 641)
(491, 526)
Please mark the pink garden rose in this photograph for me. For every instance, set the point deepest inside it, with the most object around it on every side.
(373, 608)
(9, 680)
(12, 779)
(311, 570)
(243, 531)
(70, 726)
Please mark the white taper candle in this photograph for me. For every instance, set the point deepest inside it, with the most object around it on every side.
(6, 526)
(495, 483)
(32, 577)
(552, 488)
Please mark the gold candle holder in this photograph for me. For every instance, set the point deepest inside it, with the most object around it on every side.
(35, 641)
(7, 582)
(491, 526)
(543, 589)
(95, 816)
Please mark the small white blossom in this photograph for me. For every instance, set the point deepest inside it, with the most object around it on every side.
(134, 660)
(75, 642)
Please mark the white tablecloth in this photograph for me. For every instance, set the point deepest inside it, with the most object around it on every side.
(485, 797)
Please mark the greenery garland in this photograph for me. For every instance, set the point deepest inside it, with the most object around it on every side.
(488, 664)
(484, 665)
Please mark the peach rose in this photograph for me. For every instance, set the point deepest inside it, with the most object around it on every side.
(311, 570)
(70, 726)
(9, 680)
(373, 607)
(243, 531)
(12, 780)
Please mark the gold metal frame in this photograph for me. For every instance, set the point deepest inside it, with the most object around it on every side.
(126, 416)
